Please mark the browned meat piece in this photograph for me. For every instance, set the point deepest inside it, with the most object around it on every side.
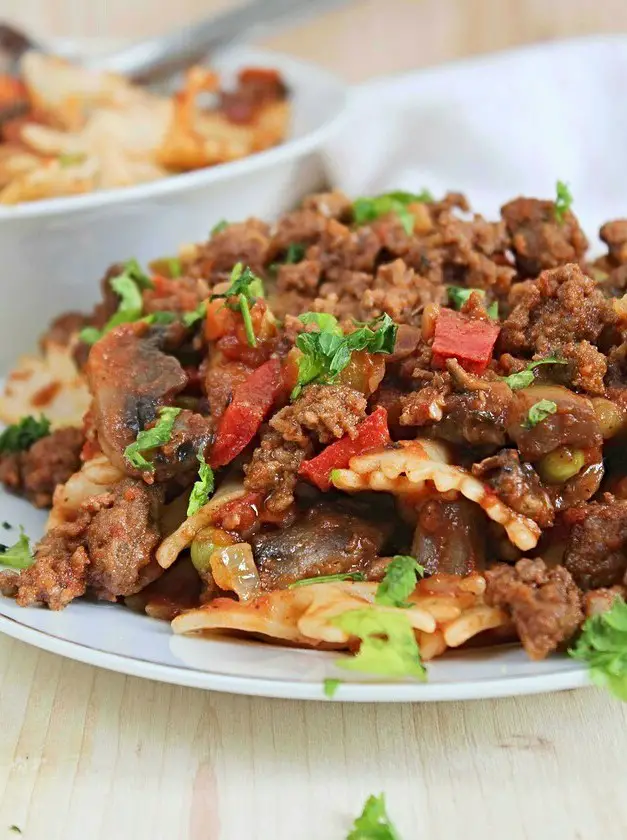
(130, 378)
(614, 234)
(122, 540)
(539, 239)
(220, 380)
(182, 294)
(273, 470)
(50, 461)
(395, 289)
(340, 249)
(573, 424)
(588, 367)
(256, 87)
(303, 227)
(324, 541)
(601, 600)
(302, 277)
(110, 301)
(332, 205)
(329, 411)
(246, 242)
(596, 552)
(545, 604)
(559, 307)
(63, 328)
(518, 485)
(450, 537)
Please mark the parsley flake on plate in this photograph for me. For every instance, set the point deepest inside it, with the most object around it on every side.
(563, 201)
(388, 644)
(525, 377)
(330, 686)
(128, 285)
(368, 209)
(151, 438)
(399, 581)
(374, 823)
(603, 646)
(540, 411)
(19, 555)
(327, 352)
(203, 487)
(21, 436)
(328, 579)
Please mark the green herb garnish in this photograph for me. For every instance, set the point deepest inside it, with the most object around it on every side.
(19, 555)
(190, 318)
(328, 579)
(563, 201)
(246, 287)
(128, 285)
(326, 353)
(399, 581)
(388, 645)
(458, 296)
(160, 318)
(203, 487)
(330, 686)
(368, 209)
(540, 411)
(525, 377)
(21, 436)
(152, 438)
(603, 646)
(295, 253)
(373, 822)
(174, 267)
(219, 227)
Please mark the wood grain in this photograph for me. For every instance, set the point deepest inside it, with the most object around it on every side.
(90, 754)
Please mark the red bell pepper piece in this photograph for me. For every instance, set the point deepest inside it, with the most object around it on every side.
(467, 340)
(371, 433)
(241, 420)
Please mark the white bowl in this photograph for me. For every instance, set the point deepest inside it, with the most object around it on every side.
(53, 252)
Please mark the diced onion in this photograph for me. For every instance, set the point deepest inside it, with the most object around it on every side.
(234, 570)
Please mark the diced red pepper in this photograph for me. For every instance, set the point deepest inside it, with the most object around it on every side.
(241, 420)
(371, 433)
(467, 340)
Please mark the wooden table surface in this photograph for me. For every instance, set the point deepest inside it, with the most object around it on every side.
(89, 754)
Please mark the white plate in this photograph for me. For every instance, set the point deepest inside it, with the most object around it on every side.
(494, 127)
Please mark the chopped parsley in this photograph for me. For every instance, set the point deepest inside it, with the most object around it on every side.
(388, 644)
(327, 352)
(295, 253)
(174, 267)
(328, 579)
(128, 285)
(399, 581)
(458, 296)
(21, 436)
(540, 411)
(203, 487)
(603, 646)
(525, 377)
(374, 823)
(190, 318)
(246, 287)
(15, 829)
(7, 526)
(368, 209)
(222, 225)
(563, 201)
(331, 686)
(160, 318)
(19, 555)
(152, 438)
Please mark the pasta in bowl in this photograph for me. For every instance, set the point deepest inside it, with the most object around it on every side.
(307, 433)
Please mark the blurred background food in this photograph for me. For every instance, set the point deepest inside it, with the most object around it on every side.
(353, 40)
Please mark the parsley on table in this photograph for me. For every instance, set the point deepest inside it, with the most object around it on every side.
(525, 377)
(388, 644)
(368, 209)
(328, 579)
(603, 646)
(151, 438)
(246, 287)
(325, 354)
(203, 487)
(540, 411)
(563, 201)
(19, 555)
(330, 686)
(128, 285)
(399, 581)
(21, 436)
(374, 823)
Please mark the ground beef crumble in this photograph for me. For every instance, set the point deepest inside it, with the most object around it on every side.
(545, 604)
(327, 411)
(273, 469)
(596, 551)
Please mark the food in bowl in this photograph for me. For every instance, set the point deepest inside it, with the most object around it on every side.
(384, 426)
(87, 131)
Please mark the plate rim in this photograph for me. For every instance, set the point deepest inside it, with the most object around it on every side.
(352, 692)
